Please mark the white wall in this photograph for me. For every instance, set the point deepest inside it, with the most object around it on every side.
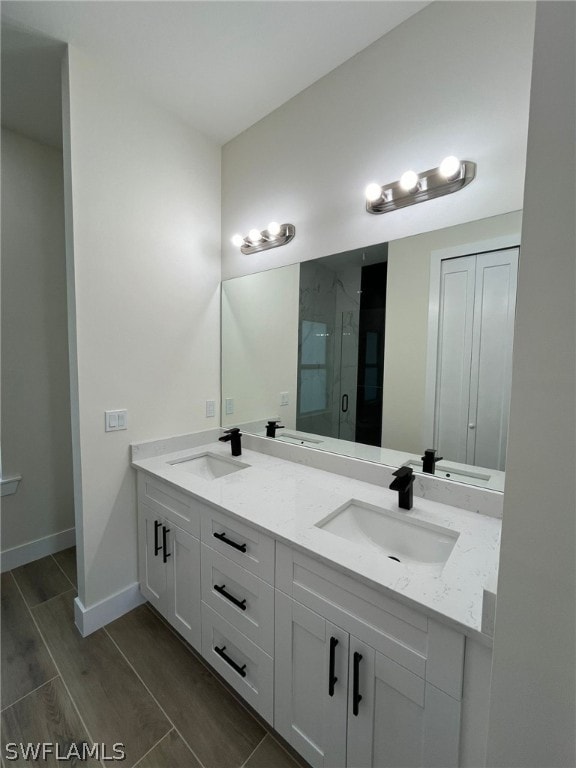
(260, 345)
(145, 271)
(407, 300)
(36, 440)
(533, 711)
(452, 79)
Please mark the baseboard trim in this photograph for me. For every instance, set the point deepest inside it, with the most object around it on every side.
(34, 550)
(90, 619)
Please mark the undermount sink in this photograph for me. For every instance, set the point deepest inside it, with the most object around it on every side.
(451, 473)
(289, 438)
(208, 466)
(400, 538)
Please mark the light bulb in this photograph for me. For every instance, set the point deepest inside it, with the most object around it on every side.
(273, 228)
(237, 240)
(450, 167)
(409, 181)
(373, 192)
(255, 235)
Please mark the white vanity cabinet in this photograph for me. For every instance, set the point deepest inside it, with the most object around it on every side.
(361, 680)
(348, 674)
(169, 555)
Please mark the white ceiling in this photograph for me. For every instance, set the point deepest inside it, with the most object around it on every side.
(220, 65)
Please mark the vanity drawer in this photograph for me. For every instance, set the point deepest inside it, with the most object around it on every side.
(241, 598)
(242, 664)
(241, 543)
(164, 500)
(426, 647)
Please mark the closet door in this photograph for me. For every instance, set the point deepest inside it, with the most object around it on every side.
(455, 321)
(491, 370)
(474, 362)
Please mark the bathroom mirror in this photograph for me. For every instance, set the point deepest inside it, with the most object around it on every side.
(382, 352)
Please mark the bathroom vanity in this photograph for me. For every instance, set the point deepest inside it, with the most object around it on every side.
(353, 627)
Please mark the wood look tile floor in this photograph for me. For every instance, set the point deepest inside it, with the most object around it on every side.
(134, 683)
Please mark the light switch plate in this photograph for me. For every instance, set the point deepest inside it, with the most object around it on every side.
(210, 408)
(229, 406)
(284, 398)
(115, 420)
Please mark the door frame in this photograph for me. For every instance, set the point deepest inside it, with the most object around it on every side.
(475, 248)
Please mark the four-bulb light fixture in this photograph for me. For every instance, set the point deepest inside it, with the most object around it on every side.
(256, 240)
(451, 175)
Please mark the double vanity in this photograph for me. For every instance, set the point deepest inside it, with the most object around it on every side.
(355, 628)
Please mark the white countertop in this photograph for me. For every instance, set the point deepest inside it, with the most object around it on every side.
(286, 499)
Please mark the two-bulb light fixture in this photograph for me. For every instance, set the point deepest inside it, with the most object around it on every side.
(451, 175)
(256, 240)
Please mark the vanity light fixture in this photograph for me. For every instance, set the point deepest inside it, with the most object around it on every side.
(256, 240)
(451, 175)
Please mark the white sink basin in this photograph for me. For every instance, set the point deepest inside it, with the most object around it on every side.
(289, 438)
(209, 466)
(399, 537)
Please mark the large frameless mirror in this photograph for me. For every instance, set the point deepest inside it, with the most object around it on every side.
(383, 351)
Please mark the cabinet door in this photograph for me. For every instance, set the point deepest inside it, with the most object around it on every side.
(153, 574)
(400, 721)
(310, 713)
(183, 564)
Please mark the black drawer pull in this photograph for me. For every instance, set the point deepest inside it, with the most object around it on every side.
(222, 537)
(165, 553)
(240, 670)
(240, 603)
(157, 546)
(356, 698)
(332, 679)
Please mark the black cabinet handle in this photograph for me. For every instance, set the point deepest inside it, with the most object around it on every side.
(222, 537)
(157, 546)
(165, 553)
(344, 403)
(356, 698)
(332, 679)
(221, 589)
(240, 670)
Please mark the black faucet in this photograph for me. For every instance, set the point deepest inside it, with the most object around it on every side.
(233, 435)
(271, 428)
(429, 460)
(403, 484)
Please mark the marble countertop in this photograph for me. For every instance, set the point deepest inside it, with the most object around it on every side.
(286, 500)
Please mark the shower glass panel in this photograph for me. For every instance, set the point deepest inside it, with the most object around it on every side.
(327, 375)
(313, 374)
(346, 375)
(341, 348)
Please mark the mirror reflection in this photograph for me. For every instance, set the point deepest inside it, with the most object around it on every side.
(384, 351)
